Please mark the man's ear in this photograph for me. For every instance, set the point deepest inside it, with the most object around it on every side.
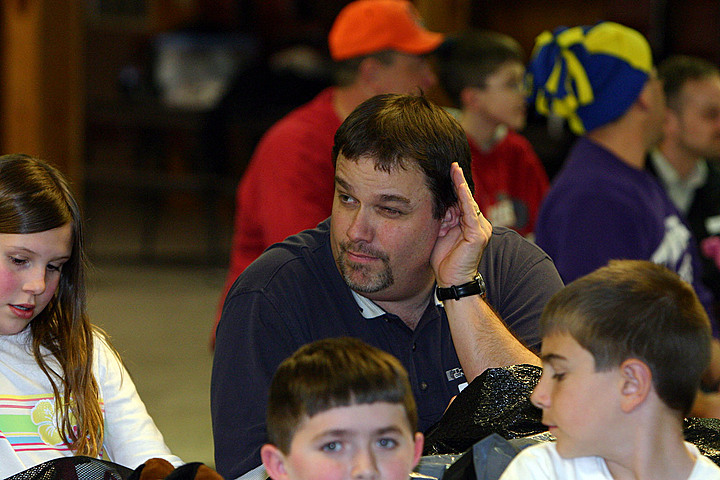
(369, 72)
(643, 102)
(450, 220)
(671, 126)
(274, 461)
(636, 383)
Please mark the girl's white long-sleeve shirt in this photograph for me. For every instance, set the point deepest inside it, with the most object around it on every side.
(29, 433)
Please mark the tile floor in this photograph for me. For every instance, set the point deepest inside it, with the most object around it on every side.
(159, 309)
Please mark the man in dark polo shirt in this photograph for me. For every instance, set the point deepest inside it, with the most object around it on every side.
(406, 262)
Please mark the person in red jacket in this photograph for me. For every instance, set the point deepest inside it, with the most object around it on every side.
(379, 46)
(482, 72)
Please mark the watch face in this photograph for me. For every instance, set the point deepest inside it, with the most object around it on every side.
(481, 280)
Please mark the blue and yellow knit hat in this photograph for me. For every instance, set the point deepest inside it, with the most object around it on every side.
(589, 75)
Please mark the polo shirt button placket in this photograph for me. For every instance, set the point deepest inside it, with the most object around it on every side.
(423, 386)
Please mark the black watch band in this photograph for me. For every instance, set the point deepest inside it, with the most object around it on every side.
(456, 292)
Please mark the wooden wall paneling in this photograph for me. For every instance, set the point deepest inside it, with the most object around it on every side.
(526, 19)
(693, 28)
(445, 16)
(42, 100)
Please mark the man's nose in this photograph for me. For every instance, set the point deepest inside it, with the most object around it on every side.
(360, 228)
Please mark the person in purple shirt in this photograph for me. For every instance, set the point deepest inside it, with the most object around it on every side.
(603, 204)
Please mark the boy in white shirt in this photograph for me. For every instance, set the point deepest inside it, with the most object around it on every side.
(623, 351)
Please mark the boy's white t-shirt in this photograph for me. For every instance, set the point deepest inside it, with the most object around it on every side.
(542, 462)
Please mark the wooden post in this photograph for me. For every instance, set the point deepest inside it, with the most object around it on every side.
(41, 82)
(446, 16)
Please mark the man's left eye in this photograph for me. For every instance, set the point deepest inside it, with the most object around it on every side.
(391, 211)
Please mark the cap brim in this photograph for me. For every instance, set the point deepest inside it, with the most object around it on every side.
(422, 43)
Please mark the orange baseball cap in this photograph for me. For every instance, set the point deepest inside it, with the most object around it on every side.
(369, 26)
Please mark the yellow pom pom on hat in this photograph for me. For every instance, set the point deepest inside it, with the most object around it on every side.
(364, 27)
(589, 75)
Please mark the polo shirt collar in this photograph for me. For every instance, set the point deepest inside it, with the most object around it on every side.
(681, 191)
(370, 309)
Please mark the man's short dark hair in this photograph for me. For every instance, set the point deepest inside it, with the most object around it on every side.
(408, 131)
(637, 309)
(468, 58)
(331, 373)
(677, 70)
(346, 72)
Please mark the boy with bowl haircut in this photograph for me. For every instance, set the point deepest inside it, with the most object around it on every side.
(338, 409)
(623, 351)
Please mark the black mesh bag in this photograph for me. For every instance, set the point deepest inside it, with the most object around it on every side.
(497, 401)
(74, 468)
(704, 433)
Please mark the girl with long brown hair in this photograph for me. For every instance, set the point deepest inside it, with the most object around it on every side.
(63, 388)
